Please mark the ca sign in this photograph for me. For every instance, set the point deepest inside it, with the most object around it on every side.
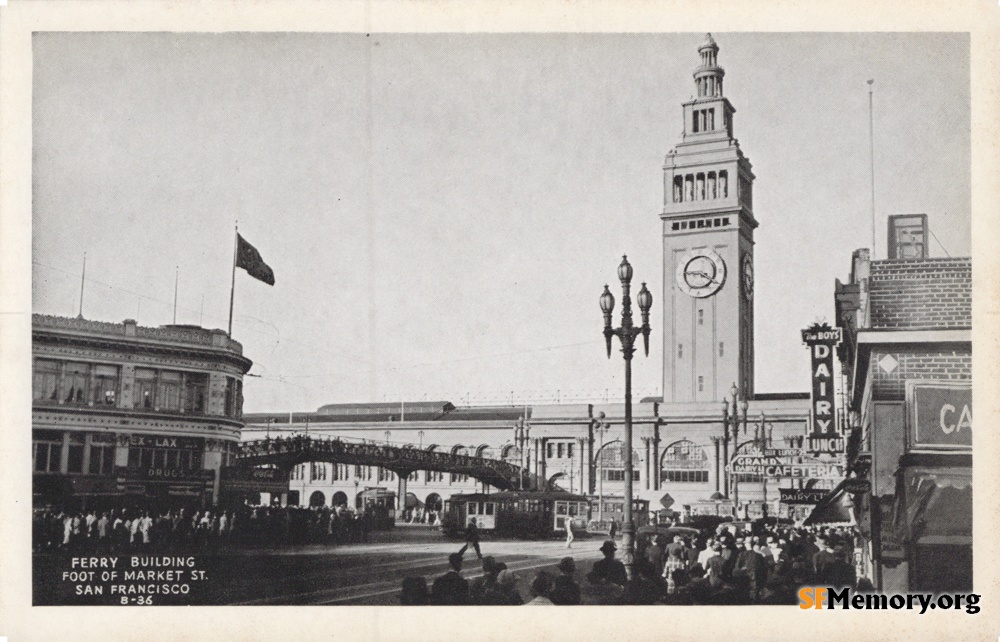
(940, 415)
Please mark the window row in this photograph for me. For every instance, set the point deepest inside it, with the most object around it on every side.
(703, 120)
(701, 186)
(559, 450)
(700, 223)
(169, 458)
(158, 390)
(99, 457)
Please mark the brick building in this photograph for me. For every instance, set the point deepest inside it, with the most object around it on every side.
(907, 356)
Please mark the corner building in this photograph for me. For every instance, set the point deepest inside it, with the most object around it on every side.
(908, 357)
(128, 415)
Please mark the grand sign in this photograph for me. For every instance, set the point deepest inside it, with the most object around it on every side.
(823, 436)
(940, 415)
(783, 467)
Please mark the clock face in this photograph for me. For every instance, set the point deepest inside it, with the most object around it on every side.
(748, 277)
(700, 273)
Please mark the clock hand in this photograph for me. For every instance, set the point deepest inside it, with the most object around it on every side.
(703, 274)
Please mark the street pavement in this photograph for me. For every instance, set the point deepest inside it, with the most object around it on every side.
(349, 574)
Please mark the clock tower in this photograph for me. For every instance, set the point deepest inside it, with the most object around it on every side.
(708, 226)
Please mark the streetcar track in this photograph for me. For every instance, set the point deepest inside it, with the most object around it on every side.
(383, 587)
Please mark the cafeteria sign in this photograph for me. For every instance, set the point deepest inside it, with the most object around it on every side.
(821, 340)
(940, 415)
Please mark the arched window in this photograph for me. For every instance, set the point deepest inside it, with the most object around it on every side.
(611, 462)
(485, 452)
(317, 499)
(339, 499)
(684, 461)
(511, 454)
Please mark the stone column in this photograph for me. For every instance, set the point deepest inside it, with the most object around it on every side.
(401, 494)
(591, 467)
(584, 466)
(541, 463)
(645, 458)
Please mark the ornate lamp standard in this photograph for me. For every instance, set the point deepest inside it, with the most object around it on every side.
(731, 427)
(522, 429)
(600, 427)
(627, 334)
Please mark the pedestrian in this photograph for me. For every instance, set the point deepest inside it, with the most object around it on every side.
(487, 583)
(507, 593)
(672, 569)
(414, 592)
(568, 524)
(613, 529)
(472, 538)
(540, 588)
(609, 568)
(565, 590)
(451, 589)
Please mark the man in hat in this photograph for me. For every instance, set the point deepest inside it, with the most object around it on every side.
(608, 569)
(487, 583)
(451, 588)
(565, 590)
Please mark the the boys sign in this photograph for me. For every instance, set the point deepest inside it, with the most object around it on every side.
(823, 435)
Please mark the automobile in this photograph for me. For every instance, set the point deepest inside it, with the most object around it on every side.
(646, 534)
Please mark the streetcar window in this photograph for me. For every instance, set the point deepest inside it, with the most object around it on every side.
(560, 508)
(572, 509)
(489, 509)
(473, 509)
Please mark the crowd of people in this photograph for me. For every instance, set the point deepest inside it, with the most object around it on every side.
(728, 566)
(122, 530)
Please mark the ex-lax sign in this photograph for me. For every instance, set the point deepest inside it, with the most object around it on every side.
(823, 436)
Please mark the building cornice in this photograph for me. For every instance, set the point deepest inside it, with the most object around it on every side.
(949, 335)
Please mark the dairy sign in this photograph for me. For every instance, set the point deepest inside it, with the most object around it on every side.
(823, 436)
(940, 415)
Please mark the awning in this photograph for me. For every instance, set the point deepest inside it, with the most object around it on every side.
(934, 505)
(835, 508)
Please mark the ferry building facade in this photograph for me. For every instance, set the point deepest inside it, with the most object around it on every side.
(682, 441)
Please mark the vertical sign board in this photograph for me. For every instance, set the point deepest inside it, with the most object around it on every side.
(940, 415)
(823, 436)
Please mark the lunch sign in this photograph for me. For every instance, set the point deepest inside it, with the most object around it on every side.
(823, 437)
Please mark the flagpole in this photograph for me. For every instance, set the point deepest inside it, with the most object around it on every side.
(83, 277)
(176, 273)
(871, 155)
(232, 289)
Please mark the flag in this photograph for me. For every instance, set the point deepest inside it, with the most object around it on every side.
(248, 258)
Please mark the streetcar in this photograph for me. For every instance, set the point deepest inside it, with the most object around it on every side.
(380, 504)
(516, 514)
(614, 509)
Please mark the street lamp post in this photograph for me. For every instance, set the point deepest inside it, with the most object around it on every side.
(601, 427)
(627, 334)
(521, 431)
(731, 428)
